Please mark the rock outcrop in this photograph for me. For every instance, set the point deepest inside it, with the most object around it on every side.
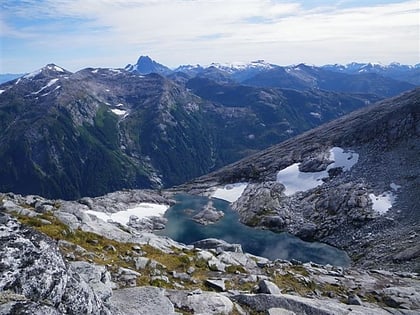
(77, 271)
(33, 269)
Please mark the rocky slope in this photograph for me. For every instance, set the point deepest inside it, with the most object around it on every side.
(87, 133)
(58, 259)
(350, 207)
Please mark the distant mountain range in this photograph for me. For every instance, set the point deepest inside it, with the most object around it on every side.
(68, 135)
(9, 76)
(261, 73)
(394, 70)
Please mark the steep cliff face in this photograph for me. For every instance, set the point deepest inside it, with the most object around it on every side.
(297, 187)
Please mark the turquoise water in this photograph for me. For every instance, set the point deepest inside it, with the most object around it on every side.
(182, 228)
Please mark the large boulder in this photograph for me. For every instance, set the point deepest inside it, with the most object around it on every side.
(98, 278)
(30, 263)
(141, 300)
(268, 287)
(199, 302)
(33, 269)
(79, 298)
(27, 307)
(303, 306)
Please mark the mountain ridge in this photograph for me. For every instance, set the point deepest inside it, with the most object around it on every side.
(140, 125)
(240, 72)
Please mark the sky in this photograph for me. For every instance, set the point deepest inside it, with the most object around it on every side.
(76, 34)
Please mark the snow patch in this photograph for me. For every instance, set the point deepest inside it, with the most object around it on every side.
(51, 82)
(95, 71)
(142, 210)
(56, 68)
(1, 91)
(316, 115)
(382, 203)
(230, 192)
(45, 94)
(394, 186)
(118, 112)
(294, 180)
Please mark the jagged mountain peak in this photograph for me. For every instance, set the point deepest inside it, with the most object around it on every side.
(146, 65)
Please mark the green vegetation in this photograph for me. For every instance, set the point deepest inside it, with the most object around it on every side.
(98, 251)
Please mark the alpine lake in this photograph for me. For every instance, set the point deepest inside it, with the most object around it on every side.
(265, 243)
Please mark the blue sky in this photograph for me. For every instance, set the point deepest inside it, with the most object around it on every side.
(112, 33)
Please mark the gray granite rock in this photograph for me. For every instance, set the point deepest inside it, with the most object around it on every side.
(268, 287)
(199, 302)
(354, 300)
(28, 307)
(396, 296)
(218, 284)
(209, 215)
(237, 259)
(96, 276)
(303, 306)
(141, 300)
(216, 265)
(31, 264)
(79, 298)
(279, 311)
(214, 243)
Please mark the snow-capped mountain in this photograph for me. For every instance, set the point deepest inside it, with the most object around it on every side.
(372, 78)
(395, 70)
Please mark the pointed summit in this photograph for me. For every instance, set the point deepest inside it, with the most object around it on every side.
(146, 65)
(50, 70)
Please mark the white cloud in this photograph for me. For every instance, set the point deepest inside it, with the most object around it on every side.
(188, 31)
